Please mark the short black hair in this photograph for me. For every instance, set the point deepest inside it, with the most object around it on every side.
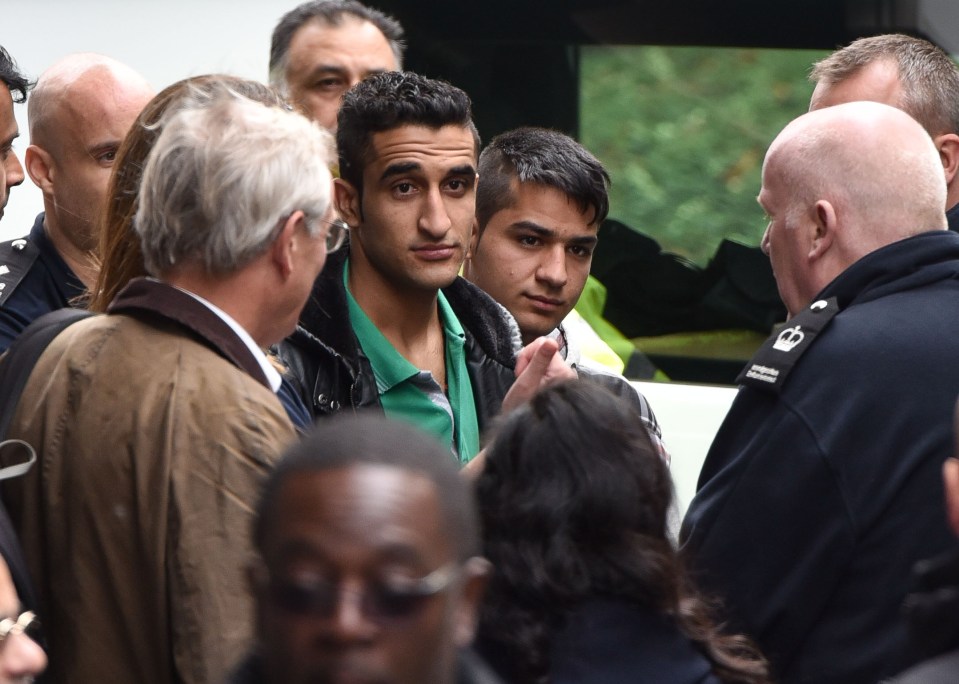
(372, 439)
(12, 78)
(543, 156)
(390, 100)
(329, 12)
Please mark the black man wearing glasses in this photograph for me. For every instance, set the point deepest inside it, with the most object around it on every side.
(368, 566)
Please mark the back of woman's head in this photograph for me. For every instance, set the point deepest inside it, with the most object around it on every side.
(571, 486)
(574, 503)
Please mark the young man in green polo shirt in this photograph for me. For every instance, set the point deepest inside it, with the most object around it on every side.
(390, 323)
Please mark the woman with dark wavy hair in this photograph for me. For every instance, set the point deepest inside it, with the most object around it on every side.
(588, 587)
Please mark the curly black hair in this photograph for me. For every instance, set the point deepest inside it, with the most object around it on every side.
(11, 77)
(574, 504)
(385, 101)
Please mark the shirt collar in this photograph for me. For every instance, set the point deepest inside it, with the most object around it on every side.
(272, 375)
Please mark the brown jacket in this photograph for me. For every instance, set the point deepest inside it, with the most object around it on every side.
(136, 518)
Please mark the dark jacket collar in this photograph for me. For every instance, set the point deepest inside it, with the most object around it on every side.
(906, 264)
(952, 216)
(330, 371)
(148, 296)
(326, 315)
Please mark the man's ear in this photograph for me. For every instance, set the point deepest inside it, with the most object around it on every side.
(948, 146)
(476, 574)
(473, 243)
(287, 243)
(825, 228)
(950, 480)
(39, 165)
(346, 198)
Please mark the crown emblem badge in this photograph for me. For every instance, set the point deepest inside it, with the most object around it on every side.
(788, 339)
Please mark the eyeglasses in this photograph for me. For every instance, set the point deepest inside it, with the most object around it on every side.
(336, 235)
(382, 601)
(26, 623)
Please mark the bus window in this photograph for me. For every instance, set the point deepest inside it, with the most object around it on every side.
(683, 132)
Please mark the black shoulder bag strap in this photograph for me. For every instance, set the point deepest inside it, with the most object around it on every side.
(15, 368)
(17, 364)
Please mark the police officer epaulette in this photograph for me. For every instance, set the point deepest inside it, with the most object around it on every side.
(772, 364)
(16, 259)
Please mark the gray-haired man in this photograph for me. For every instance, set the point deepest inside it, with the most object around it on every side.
(154, 423)
(323, 48)
(904, 72)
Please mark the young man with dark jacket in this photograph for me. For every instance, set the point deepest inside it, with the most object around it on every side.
(390, 323)
(539, 205)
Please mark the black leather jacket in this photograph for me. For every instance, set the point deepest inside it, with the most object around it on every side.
(328, 368)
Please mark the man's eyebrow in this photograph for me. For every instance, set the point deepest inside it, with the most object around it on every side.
(337, 69)
(399, 168)
(391, 552)
(463, 170)
(9, 141)
(107, 146)
(585, 240)
(533, 227)
(544, 232)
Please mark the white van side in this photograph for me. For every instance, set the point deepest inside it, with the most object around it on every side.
(689, 416)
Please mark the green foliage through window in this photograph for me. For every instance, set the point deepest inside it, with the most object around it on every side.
(683, 132)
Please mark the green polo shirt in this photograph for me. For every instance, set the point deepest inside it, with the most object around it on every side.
(412, 395)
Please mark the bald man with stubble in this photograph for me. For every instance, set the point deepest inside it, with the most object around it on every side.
(79, 112)
(822, 486)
